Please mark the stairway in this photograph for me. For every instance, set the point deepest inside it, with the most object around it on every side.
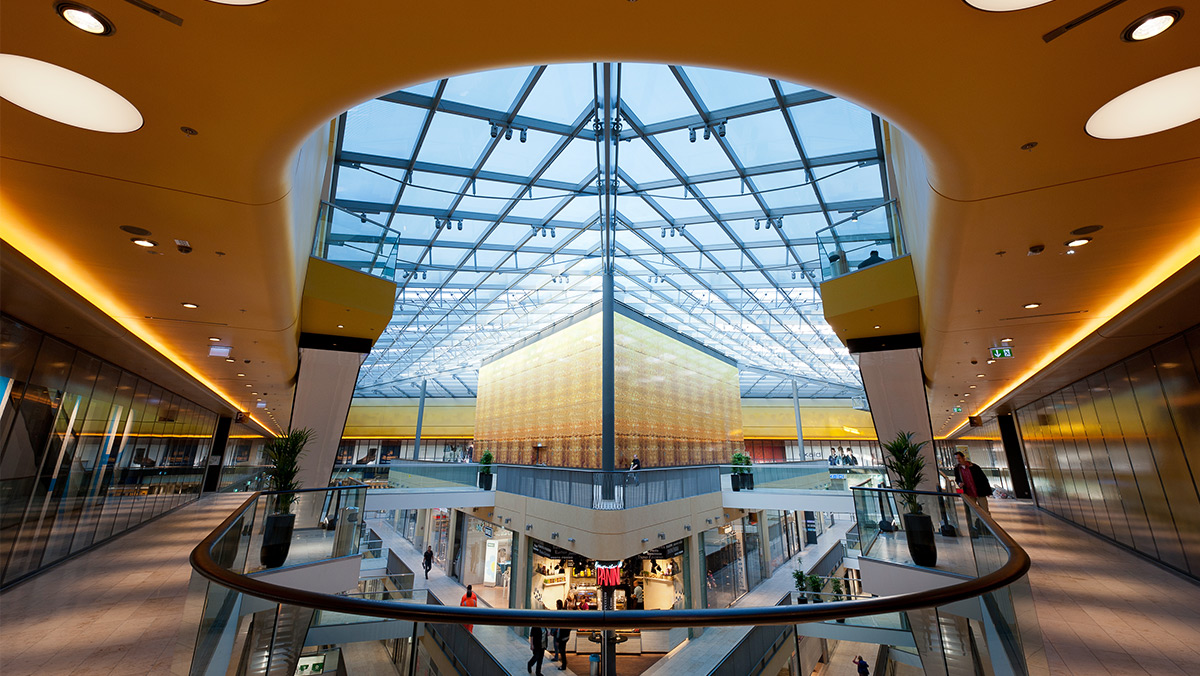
(947, 645)
(275, 640)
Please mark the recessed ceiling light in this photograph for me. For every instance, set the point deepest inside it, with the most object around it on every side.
(1005, 5)
(229, 359)
(1006, 340)
(190, 306)
(1079, 241)
(65, 96)
(143, 242)
(1160, 104)
(972, 387)
(84, 18)
(342, 327)
(214, 339)
(249, 385)
(980, 375)
(876, 326)
(1030, 306)
(991, 361)
(241, 375)
(1152, 24)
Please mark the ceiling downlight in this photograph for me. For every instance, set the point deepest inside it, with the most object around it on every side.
(1152, 25)
(65, 96)
(84, 18)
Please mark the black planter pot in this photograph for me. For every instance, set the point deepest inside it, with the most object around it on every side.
(277, 539)
(748, 482)
(485, 481)
(919, 534)
(735, 480)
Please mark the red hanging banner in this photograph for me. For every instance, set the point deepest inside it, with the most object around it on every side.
(608, 574)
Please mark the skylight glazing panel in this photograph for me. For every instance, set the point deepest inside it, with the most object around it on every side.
(761, 139)
(858, 183)
(488, 197)
(507, 235)
(383, 128)
(580, 210)
(520, 159)
(561, 94)
(455, 140)
(833, 126)
(431, 191)
(633, 209)
(574, 164)
(745, 231)
(348, 224)
(640, 164)
(424, 89)
(668, 199)
(653, 94)
(494, 89)
(361, 185)
(540, 205)
(727, 197)
(708, 235)
(694, 158)
(723, 89)
(784, 190)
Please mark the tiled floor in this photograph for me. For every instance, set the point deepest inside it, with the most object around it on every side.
(1102, 609)
(114, 610)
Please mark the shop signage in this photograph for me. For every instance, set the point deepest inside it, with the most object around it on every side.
(549, 551)
(837, 476)
(665, 552)
(608, 574)
(487, 530)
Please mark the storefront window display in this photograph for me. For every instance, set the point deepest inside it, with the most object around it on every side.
(439, 536)
(725, 566)
(653, 580)
(485, 560)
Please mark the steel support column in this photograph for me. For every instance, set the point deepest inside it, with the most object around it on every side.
(420, 419)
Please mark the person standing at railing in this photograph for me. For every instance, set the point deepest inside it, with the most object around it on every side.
(873, 259)
(833, 457)
(974, 482)
(848, 458)
(634, 466)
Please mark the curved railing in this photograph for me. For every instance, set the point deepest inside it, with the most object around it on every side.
(205, 562)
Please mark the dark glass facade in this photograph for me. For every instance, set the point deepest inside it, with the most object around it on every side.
(87, 450)
(1119, 452)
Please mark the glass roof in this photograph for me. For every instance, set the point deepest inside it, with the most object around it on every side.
(480, 196)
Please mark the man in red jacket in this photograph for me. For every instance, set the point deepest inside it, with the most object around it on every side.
(974, 483)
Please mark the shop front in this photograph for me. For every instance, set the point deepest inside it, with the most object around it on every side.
(653, 580)
(483, 559)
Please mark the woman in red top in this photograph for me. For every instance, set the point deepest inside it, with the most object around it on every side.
(469, 600)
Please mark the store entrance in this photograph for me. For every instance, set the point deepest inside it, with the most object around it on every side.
(652, 580)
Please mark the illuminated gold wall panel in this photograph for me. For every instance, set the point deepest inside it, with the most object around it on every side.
(675, 404)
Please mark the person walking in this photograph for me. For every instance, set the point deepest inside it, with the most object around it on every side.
(470, 600)
(537, 644)
(974, 482)
(864, 669)
(560, 637)
(427, 560)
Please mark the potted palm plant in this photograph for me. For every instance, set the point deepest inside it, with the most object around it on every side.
(907, 465)
(485, 470)
(283, 457)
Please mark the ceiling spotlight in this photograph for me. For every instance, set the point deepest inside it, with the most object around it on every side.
(1152, 24)
(249, 385)
(508, 133)
(721, 130)
(424, 275)
(340, 326)
(692, 135)
(973, 387)
(523, 135)
(551, 232)
(190, 306)
(793, 274)
(1031, 306)
(229, 359)
(672, 232)
(876, 326)
(1079, 241)
(854, 217)
(495, 131)
(89, 20)
(991, 361)
(1006, 340)
(707, 133)
(664, 233)
(980, 375)
(460, 224)
(241, 375)
(143, 242)
(757, 225)
(214, 339)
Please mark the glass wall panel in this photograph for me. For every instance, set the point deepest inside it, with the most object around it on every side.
(1117, 452)
(83, 444)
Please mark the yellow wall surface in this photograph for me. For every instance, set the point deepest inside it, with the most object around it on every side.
(455, 418)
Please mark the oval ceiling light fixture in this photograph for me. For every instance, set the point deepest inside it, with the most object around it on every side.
(65, 96)
(238, 2)
(1004, 5)
(1078, 242)
(1030, 306)
(190, 306)
(1153, 24)
(84, 18)
(141, 241)
(1158, 105)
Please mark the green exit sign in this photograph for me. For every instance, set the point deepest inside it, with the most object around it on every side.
(958, 409)
(1002, 353)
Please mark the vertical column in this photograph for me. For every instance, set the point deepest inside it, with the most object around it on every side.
(895, 385)
(420, 419)
(1012, 451)
(608, 416)
(324, 388)
(799, 427)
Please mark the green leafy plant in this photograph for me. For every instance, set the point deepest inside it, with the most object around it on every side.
(908, 465)
(741, 463)
(485, 462)
(283, 454)
(800, 579)
(815, 585)
(837, 589)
